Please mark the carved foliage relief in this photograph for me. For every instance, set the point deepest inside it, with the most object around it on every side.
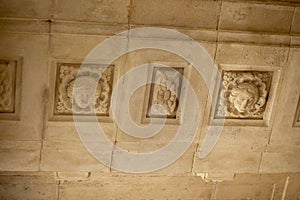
(82, 96)
(7, 86)
(165, 92)
(243, 94)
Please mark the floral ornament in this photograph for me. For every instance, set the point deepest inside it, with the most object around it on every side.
(5, 88)
(243, 94)
(165, 92)
(80, 96)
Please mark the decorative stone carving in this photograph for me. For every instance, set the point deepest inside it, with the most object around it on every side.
(164, 92)
(7, 86)
(297, 115)
(81, 95)
(243, 94)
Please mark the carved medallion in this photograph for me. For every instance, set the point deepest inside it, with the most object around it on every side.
(80, 95)
(164, 92)
(243, 94)
(7, 86)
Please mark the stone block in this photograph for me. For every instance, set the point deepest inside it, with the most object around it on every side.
(33, 51)
(19, 155)
(234, 159)
(86, 28)
(286, 124)
(253, 38)
(92, 11)
(200, 14)
(28, 186)
(252, 186)
(19, 159)
(295, 29)
(280, 163)
(251, 55)
(244, 17)
(28, 9)
(179, 166)
(138, 187)
(70, 156)
(24, 25)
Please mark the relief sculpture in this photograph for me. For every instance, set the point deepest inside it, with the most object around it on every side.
(243, 94)
(164, 93)
(81, 95)
(7, 86)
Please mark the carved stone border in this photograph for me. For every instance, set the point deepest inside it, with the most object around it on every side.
(297, 115)
(182, 68)
(268, 110)
(53, 115)
(15, 76)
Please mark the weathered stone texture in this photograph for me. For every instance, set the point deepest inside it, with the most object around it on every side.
(254, 45)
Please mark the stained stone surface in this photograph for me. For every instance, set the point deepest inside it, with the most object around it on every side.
(254, 45)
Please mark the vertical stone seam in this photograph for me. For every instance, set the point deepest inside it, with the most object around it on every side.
(46, 87)
(207, 110)
(118, 95)
(58, 190)
(194, 158)
(130, 9)
(214, 191)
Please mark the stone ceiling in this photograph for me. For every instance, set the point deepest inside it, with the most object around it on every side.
(255, 104)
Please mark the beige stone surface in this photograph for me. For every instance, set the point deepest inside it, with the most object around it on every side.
(32, 50)
(284, 131)
(24, 25)
(29, 9)
(255, 17)
(142, 187)
(254, 38)
(285, 162)
(265, 186)
(183, 165)
(200, 14)
(42, 156)
(251, 55)
(28, 186)
(295, 41)
(70, 156)
(87, 28)
(96, 11)
(234, 160)
(19, 155)
(296, 23)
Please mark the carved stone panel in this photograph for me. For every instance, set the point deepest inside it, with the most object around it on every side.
(164, 92)
(7, 85)
(243, 94)
(297, 115)
(79, 97)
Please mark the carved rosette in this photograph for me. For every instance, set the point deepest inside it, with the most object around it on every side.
(243, 94)
(164, 93)
(80, 93)
(7, 85)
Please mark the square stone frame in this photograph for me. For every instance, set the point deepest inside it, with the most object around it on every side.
(15, 116)
(297, 115)
(268, 115)
(52, 91)
(186, 73)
